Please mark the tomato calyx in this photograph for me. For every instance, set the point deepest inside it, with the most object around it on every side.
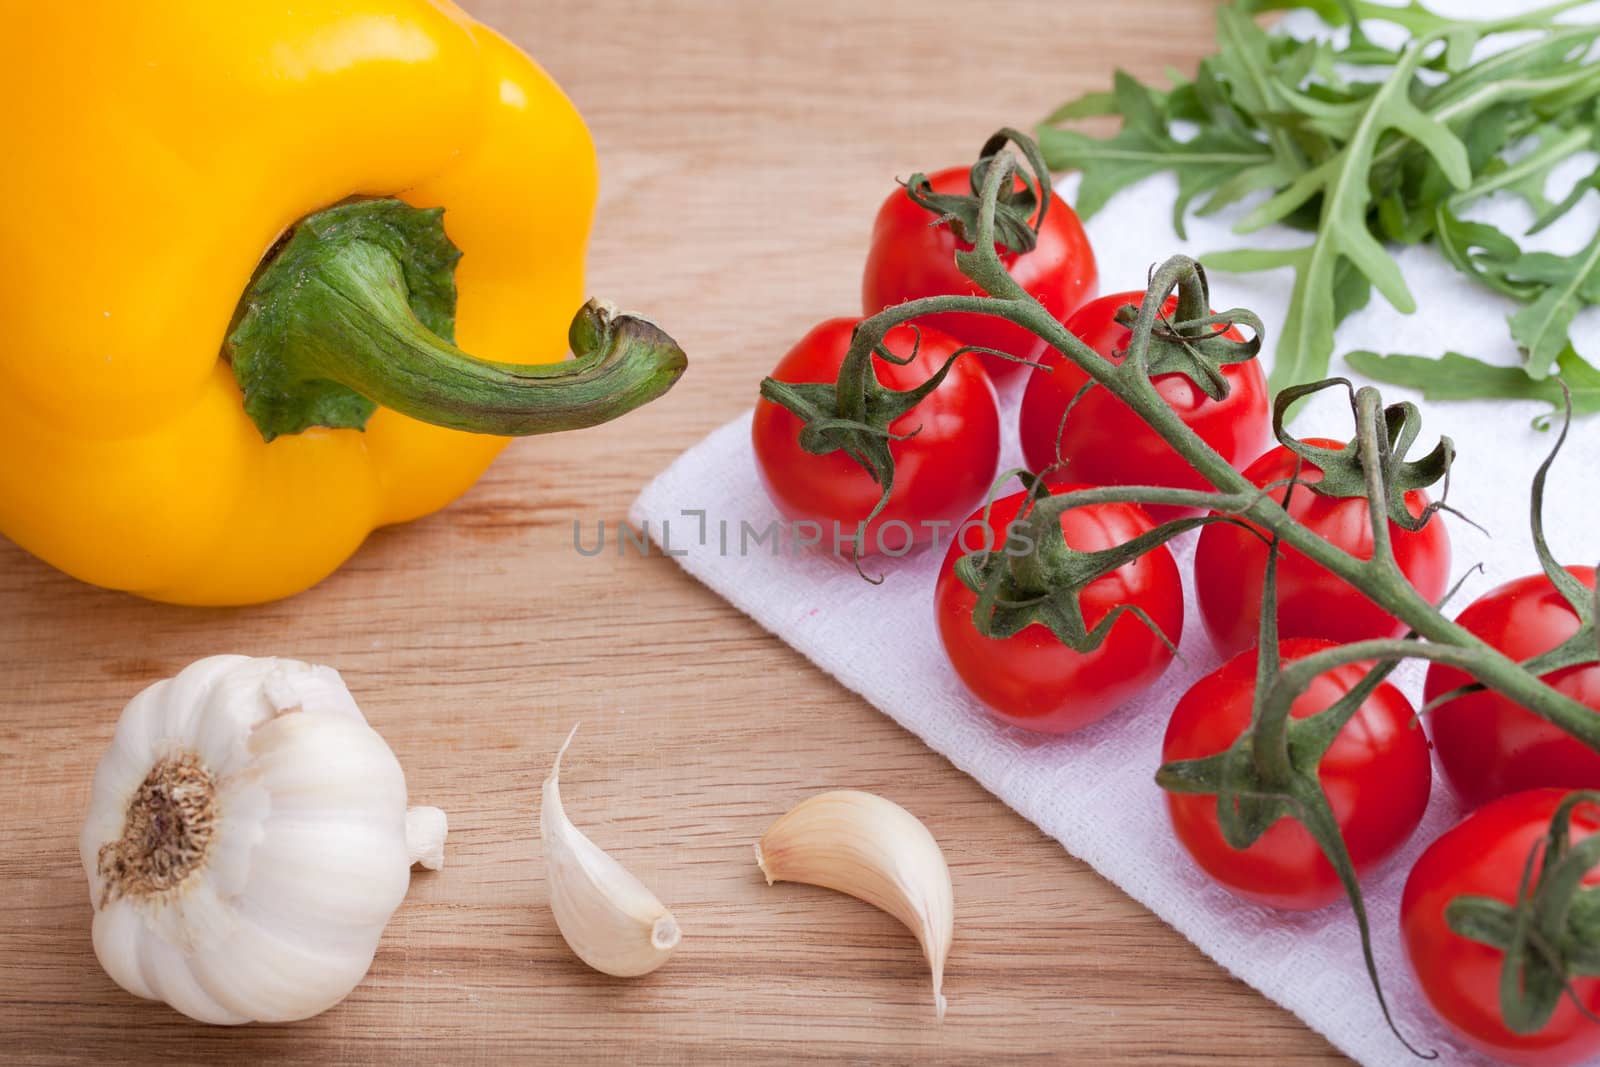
(1018, 213)
(1170, 334)
(1345, 472)
(853, 414)
(1551, 935)
(1193, 341)
(1036, 577)
(1272, 770)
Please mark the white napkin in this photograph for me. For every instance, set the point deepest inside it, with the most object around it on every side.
(1093, 791)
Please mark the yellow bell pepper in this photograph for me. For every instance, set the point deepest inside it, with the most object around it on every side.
(166, 236)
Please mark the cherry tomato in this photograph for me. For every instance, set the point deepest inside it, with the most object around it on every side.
(1033, 680)
(1230, 563)
(1490, 746)
(1376, 776)
(1484, 855)
(1105, 443)
(911, 258)
(941, 472)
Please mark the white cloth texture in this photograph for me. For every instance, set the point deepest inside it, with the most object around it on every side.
(1093, 791)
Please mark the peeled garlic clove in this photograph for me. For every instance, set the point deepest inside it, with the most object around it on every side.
(872, 849)
(610, 920)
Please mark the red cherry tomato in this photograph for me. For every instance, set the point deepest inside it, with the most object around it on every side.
(1376, 775)
(911, 258)
(941, 473)
(1230, 563)
(1033, 680)
(1105, 443)
(1490, 746)
(1484, 855)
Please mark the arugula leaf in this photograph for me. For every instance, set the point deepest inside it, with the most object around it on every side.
(1540, 329)
(1360, 160)
(1579, 189)
(1459, 377)
(1145, 146)
(1087, 106)
(1305, 341)
(1479, 251)
(1528, 177)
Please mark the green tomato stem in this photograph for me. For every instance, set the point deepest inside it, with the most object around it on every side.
(1379, 578)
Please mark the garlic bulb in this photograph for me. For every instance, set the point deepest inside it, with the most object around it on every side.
(874, 850)
(247, 841)
(607, 916)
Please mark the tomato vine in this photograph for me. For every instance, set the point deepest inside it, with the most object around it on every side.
(1271, 771)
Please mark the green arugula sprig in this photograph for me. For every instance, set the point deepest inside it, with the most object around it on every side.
(1395, 155)
(1459, 377)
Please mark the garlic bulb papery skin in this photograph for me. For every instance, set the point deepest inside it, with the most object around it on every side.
(247, 842)
(874, 850)
(608, 917)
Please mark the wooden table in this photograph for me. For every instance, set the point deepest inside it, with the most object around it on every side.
(745, 145)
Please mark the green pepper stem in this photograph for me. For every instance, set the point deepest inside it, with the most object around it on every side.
(357, 310)
(360, 332)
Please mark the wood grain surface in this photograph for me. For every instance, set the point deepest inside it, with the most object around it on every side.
(745, 145)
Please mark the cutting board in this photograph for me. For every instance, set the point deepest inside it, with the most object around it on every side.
(745, 147)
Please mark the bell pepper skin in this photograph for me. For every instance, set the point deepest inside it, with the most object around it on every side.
(161, 152)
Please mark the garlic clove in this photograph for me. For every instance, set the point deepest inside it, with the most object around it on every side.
(872, 849)
(321, 875)
(607, 916)
(283, 956)
(196, 699)
(117, 943)
(174, 981)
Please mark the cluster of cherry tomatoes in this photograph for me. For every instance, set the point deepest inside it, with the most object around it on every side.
(1377, 774)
